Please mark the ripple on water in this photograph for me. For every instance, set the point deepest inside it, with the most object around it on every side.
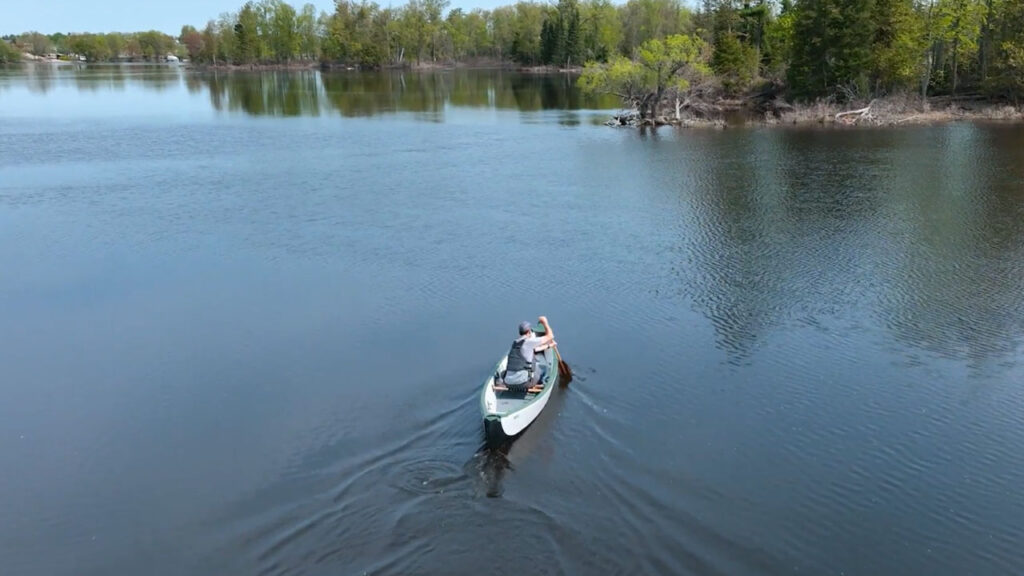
(354, 517)
(434, 516)
(387, 505)
(460, 529)
(428, 476)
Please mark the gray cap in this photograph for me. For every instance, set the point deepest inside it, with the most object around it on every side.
(524, 328)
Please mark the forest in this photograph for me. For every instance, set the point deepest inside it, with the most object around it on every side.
(845, 50)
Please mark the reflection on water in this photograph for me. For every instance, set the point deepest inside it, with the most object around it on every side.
(267, 94)
(955, 285)
(928, 238)
(93, 78)
(313, 93)
(369, 93)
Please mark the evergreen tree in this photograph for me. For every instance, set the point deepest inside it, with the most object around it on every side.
(735, 63)
(573, 47)
(831, 48)
(549, 39)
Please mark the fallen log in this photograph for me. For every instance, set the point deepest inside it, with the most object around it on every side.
(858, 113)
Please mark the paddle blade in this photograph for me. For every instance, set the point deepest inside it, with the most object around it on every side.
(564, 371)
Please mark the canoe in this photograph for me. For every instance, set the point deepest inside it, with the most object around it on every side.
(509, 412)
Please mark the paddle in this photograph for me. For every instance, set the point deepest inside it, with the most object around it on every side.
(563, 368)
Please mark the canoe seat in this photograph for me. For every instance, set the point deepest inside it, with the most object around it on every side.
(530, 390)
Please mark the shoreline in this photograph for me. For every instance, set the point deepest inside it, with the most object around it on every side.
(878, 113)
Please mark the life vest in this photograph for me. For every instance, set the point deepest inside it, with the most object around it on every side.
(516, 361)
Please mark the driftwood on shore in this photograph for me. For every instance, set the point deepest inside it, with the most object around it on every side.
(854, 115)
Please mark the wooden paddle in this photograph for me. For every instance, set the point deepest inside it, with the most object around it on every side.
(563, 368)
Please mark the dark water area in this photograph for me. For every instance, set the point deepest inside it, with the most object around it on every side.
(244, 320)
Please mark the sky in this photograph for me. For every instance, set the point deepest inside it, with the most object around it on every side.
(49, 16)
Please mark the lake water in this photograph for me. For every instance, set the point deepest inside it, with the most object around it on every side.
(244, 320)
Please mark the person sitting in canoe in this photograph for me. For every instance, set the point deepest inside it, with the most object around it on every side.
(521, 370)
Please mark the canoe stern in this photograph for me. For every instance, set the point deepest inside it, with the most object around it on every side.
(492, 427)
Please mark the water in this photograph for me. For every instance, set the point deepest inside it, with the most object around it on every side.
(243, 322)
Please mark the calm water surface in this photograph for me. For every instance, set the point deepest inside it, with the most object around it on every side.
(243, 322)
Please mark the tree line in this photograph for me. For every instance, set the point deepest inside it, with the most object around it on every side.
(143, 46)
(369, 35)
(849, 49)
(845, 48)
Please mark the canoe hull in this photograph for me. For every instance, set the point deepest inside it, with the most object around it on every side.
(508, 418)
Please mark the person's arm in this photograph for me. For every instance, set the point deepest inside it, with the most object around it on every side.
(549, 335)
(545, 346)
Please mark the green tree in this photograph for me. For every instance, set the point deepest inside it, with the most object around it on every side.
(458, 34)
(354, 36)
(735, 63)
(8, 53)
(831, 47)
(550, 31)
(434, 11)
(92, 47)
(561, 38)
(35, 43)
(644, 20)
(388, 30)
(132, 48)
(960, 23)
(601, 30)
(227, 49)
(660, 65)
(284, 37)
(472, 30)
(264, 11)
(154, 45)
(1008, 58)
(526, 23)
(59, 41)
(413, 27)
(898, 46)
(115, 44)
(778, 41)
(305, 27)
(247, 41)
(503, 26)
